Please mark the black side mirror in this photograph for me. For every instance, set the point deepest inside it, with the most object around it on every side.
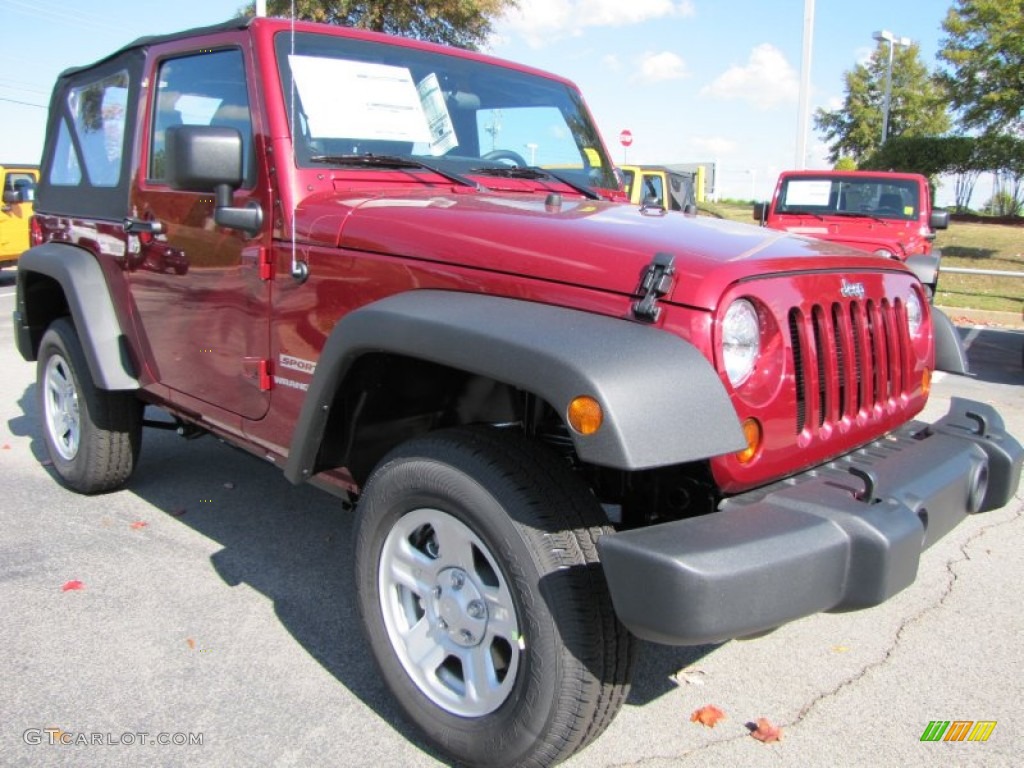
(760, 211)
(19, 195)
(208, 158)
(939, 219)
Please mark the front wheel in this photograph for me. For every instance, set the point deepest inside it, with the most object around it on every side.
(92, 436)
(483, 600)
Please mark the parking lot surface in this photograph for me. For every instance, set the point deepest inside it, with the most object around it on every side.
(205, 616)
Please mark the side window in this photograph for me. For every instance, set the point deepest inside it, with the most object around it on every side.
(22, 183)
(204, 89)
(653, 188)
(65, 170)
(94, 138)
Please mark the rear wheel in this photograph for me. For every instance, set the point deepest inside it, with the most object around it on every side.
(93, 436)
(483, 600)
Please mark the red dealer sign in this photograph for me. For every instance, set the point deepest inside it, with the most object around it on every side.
(626, 137)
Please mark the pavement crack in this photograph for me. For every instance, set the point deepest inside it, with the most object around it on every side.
(904, 627)
(909, 622)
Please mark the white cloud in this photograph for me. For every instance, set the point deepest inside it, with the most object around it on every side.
(657, 67)
(542, 21)
(611, 62)
(863, 54)
(714, 146)
(766, 80)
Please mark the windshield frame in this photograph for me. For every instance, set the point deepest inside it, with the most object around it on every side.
(861, 196)
(470, 85)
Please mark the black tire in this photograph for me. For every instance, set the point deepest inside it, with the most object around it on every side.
(518, 530)
(93, 436)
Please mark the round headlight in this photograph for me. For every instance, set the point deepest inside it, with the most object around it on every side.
(915, 315)
(741, 341)
(885, 253)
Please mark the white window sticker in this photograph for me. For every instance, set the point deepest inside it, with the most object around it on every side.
(808, 192)
(442, 132)
(359, 100)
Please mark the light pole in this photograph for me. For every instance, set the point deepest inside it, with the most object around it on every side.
(885, 36)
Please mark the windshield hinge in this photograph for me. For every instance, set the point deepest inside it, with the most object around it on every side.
(655, 282)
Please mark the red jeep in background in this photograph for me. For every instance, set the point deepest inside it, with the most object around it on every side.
(564, 422)
(889, 214)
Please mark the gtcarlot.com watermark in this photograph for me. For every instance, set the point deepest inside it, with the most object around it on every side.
(60, 737)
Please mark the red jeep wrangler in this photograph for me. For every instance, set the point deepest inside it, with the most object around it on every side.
(565, 423)
(889, 214)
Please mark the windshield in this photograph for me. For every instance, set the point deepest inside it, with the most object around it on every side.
(877, 197)
(354, 97)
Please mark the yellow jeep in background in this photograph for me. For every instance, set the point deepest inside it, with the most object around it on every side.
(659, 187)
(19, 186)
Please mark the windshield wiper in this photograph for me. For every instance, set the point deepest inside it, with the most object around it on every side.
(536, 172)
(797, 212)
(370, 160)
(860, 215)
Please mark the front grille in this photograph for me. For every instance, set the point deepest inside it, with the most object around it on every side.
(848, 358)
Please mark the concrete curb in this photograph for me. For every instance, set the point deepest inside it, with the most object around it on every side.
(961, 316)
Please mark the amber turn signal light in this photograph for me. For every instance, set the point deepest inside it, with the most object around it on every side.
(926, 382)
(585, 415)
(752, 433)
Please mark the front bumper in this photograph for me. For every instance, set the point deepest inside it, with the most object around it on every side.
(844, 536)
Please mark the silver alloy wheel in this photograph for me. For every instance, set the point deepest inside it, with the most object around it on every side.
(60, 402)
(449, 613)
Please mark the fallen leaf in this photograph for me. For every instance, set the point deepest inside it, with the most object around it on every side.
(70, 586)
(191, 643)
(690, 676)
(138, 525)
(707, 715)
(764, 731)
(7, 447)
(178, 512)
(840, 648)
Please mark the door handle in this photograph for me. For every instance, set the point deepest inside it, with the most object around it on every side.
(133, 226)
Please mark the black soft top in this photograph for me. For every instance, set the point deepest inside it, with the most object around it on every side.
(241, 22)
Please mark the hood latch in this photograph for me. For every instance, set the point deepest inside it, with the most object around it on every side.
(655, 282)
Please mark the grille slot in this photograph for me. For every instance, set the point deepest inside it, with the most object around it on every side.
(847, 358)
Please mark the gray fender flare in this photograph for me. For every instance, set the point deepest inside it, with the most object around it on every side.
(663, 402)
(92, 310)
(926, 268)
(950, 354)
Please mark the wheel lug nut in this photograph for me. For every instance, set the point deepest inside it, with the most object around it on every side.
(437, 591)
(475, 609)
(466, 635)
(458, 579)
(442, 624)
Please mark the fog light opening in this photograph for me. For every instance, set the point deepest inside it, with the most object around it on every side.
(978, 488)
(585, 415)
(753, 435)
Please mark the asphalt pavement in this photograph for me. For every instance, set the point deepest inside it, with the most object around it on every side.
(205, 616)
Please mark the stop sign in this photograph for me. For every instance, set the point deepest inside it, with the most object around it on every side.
(626, 137)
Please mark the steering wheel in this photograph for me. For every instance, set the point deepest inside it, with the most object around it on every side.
(506, 154)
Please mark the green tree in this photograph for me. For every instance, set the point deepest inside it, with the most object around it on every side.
(461, 23)
(984, 52)
(916, 106)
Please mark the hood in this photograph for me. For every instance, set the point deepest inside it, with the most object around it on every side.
(866, 234)
(597, 244)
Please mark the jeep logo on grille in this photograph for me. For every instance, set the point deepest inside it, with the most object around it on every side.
(852, 290)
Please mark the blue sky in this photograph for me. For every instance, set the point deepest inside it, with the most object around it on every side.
(693, 80)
